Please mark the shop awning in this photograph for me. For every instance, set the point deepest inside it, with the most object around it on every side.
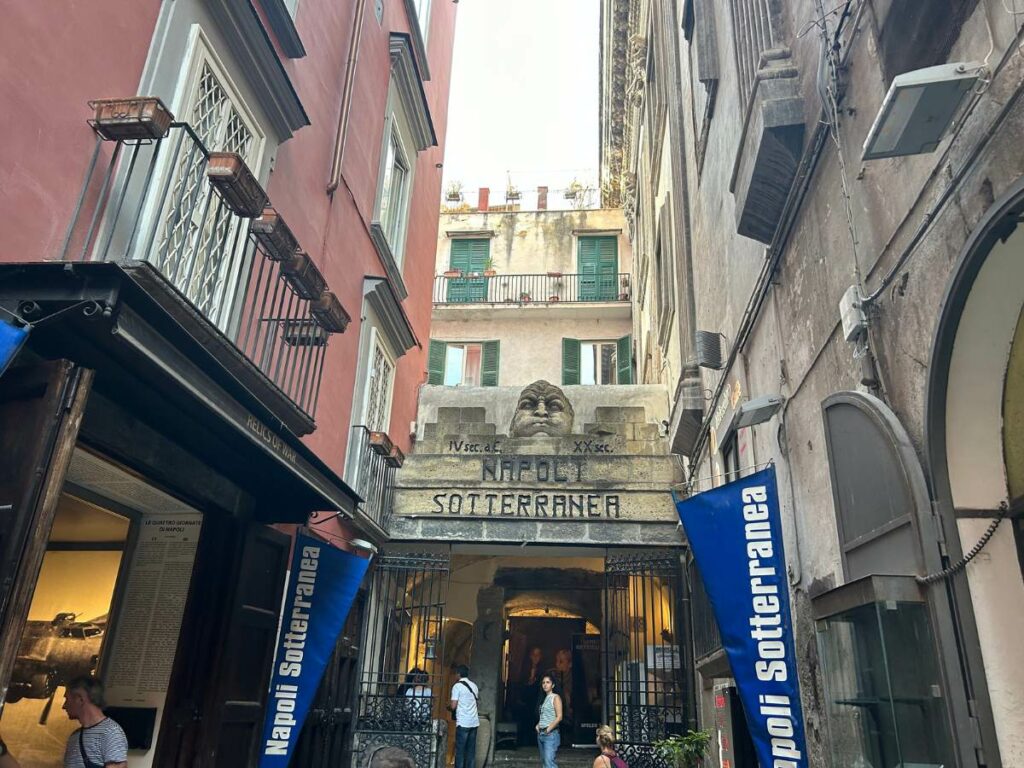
(165, 400)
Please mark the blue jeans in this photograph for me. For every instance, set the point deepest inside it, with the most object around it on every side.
(465, 747)
(548, 743)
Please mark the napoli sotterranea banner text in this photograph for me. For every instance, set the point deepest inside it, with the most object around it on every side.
(736, 539)
(321, 588)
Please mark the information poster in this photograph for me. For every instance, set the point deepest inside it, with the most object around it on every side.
(140, 660)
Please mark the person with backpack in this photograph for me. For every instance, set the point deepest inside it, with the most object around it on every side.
(608, 758)
(548, 738)
(465, 701)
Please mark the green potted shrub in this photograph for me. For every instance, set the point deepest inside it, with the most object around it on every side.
(686, 751)
(489, 268)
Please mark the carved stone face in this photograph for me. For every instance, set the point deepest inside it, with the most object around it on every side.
(543, 409)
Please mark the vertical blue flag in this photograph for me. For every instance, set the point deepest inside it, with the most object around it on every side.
(321, 588)
(11, 339)
(736, 538)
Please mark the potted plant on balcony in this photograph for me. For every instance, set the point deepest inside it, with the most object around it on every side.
(453, 273)
(554, 297)
(135, 118)
(685, 751)
(524, 297)
(489, 268)
(453, 192)
(557, 275)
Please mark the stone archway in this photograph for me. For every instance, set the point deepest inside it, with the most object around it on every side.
(965, 440)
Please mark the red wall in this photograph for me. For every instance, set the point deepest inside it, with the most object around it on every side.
(334, 229)
(55, 55)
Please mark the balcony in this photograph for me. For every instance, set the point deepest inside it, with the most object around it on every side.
(552, 288)
(372, 473)
(194, 229)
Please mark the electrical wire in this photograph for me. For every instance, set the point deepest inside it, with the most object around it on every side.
(960, 564)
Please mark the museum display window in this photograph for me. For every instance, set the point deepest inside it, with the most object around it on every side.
(67, 629)
(885, 700)
(108, 601)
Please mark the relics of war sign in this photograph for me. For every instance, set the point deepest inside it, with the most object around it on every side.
(560, 465)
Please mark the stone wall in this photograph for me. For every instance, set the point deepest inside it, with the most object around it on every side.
(606, 482)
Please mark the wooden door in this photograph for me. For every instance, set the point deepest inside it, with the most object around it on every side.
(41, 409)
(217, 698)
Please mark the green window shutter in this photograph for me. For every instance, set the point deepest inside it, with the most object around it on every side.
(624, 360)
(435, 362)
(489, 364)
(597, 261)
(468, 255)
(570, 361)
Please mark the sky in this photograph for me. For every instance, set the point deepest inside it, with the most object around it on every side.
(524, 96)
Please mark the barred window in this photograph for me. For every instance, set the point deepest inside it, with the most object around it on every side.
(197, 240)
(378, 396)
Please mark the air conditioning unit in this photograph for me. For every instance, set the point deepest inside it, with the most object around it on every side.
(918, 108)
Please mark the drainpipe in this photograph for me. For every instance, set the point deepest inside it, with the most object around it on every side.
(341, 138)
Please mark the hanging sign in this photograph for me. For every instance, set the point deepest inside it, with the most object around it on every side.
(11, 339)
(321, 588)
(736, 538)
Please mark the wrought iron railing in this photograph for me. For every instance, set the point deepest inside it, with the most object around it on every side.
(706, 639)
(549, 288)
(373, 477)
(153, 201)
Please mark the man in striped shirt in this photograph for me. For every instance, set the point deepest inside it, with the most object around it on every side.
(100, 742)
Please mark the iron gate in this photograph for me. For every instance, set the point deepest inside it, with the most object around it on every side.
(326, 740)
(401, 703)
(646, 654)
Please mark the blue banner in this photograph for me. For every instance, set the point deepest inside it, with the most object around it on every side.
(321, 589)
(736, 538)
(11, 339)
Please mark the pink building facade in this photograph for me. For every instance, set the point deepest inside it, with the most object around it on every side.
(226, 279)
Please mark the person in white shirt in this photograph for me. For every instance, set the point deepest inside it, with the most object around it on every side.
(465, 697)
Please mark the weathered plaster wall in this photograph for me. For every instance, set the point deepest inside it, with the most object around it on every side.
(530, 242)
(531, 337)
(796, 347)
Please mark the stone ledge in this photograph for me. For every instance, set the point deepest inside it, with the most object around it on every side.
(569, 532)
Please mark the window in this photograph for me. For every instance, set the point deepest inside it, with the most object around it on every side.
(463, 363)
(597, 262)
(664, 274)
(470, 256)
(702, 52)
(189, 227)
(379, 384)
(423, 16)
(597, 362)
(394, 190)
(408, 130)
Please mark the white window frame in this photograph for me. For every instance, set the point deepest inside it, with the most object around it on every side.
(422, 18)
(396, 126)
(462, 374)
(199, 52)
(377, 343)
(598, 362)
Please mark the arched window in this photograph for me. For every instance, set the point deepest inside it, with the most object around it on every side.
(877, 485)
